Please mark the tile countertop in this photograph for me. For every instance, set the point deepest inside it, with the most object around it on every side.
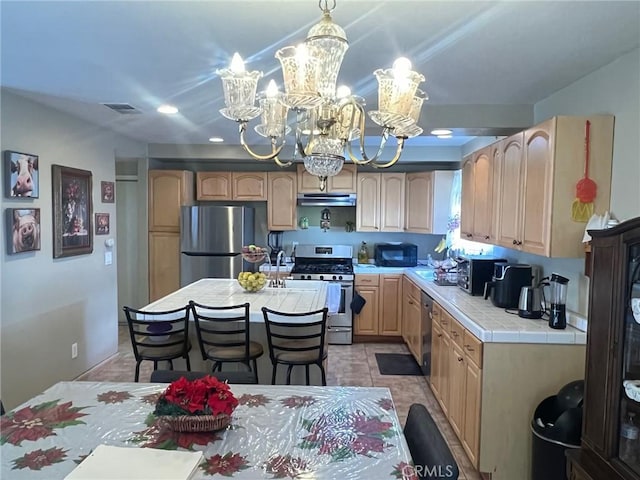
(480, 317)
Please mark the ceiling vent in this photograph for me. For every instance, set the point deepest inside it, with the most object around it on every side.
(122, 108)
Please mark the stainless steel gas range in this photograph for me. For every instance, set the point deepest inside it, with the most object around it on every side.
(330, 263)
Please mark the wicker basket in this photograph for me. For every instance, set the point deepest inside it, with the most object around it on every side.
(196, 423)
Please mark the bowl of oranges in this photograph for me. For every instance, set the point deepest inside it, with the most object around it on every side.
(252, 281)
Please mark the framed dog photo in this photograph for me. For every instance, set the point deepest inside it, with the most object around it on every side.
(21, 175)
(23, 230)
(107, 192)
(72, 211)
(102, 224)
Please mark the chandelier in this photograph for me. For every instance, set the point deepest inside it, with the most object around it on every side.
(328, 120)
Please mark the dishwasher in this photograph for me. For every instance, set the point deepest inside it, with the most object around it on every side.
(427, 319)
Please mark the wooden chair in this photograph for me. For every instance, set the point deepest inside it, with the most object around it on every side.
(223, 336)
(1, 408)
(296, 339)
(431, 454)
(159, 336)
(168, 376)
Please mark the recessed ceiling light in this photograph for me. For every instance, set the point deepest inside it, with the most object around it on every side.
(216, 139)
(444, 136)
(441, 131)
(167, 109)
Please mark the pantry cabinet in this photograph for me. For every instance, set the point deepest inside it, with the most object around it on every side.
(427, 201)
(381, 200)
(537, 184)
(281, 200)
(382, 312)
(344, 182)
(169, 190)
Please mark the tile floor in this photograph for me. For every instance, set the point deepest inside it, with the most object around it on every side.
(353, 365)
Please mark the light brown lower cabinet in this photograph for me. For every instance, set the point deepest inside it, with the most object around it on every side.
(456, 378)
(382, 312)
(488, 391)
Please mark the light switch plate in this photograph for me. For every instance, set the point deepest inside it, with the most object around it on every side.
(108, 258)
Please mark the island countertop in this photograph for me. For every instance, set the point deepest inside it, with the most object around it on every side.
(299, 296)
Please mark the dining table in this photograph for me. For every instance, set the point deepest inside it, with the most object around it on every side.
(281, 431)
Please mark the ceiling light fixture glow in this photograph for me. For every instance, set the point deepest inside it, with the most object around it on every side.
(167, 109)
(216, 139)
(327, 120)
(441, 131)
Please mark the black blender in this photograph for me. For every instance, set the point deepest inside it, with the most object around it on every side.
(558, 313)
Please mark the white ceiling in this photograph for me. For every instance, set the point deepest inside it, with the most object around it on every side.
(76, 55)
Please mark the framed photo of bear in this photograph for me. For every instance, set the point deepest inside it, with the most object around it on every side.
(23, 230)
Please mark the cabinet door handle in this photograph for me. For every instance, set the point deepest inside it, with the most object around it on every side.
(468, 347)
(439, 334)
(444, 322)
(455, 334)
(410, 302)
(486, 237)
(519, 242)
(515, 242)
(460, 359)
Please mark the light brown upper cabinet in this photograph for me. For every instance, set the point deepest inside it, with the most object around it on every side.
(427, 201)
(466, 203)
(477, 207)
(539, 171)
(380, 204)
(344, 182)
(241, 186)
(168, 191)
(281, 200)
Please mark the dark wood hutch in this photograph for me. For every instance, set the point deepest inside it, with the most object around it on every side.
(613, 359)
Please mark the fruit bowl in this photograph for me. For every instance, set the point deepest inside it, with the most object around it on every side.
(254, 254)
(252, 281)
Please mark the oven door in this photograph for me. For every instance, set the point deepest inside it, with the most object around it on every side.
(340, 324)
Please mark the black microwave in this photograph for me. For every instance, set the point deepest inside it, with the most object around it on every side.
(396, 254)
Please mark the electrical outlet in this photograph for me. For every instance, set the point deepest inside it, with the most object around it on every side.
(74, 350)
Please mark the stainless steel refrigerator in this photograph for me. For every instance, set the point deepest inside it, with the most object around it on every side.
(211, 241)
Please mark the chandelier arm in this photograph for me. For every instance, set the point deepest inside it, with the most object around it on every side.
(395, 158)
(280, 163)
(358, 161)
(275, 149)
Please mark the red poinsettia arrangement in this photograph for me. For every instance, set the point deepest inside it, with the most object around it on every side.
(203, 396)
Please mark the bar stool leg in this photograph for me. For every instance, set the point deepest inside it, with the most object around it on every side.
(137, 370)
(289, 368)
(273, 375)
(306, 368)
(324, 377)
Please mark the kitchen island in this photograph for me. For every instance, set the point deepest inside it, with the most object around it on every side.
(297, 297)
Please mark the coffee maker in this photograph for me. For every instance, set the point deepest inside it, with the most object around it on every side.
(507, 282)
(274, 240)
(558, 312)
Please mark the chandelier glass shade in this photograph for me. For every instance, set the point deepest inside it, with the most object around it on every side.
(328, 119)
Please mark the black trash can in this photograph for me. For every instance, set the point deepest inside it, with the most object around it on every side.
(555, 427)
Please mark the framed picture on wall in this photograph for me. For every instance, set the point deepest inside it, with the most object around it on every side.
(72, 211)
(107, 192)
(21, 175)
(102, 223)
(23, 230)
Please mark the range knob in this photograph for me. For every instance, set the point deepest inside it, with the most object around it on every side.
(334, 278)
(308, 277)
(339, 277)
(321, 277)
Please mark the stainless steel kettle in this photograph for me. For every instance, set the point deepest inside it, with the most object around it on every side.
(531, 302)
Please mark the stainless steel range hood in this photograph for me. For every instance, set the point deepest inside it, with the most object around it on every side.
(327, 199)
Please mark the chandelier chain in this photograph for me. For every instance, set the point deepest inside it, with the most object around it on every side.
(326, 8)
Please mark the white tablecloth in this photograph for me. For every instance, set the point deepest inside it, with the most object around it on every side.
(276, 432)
